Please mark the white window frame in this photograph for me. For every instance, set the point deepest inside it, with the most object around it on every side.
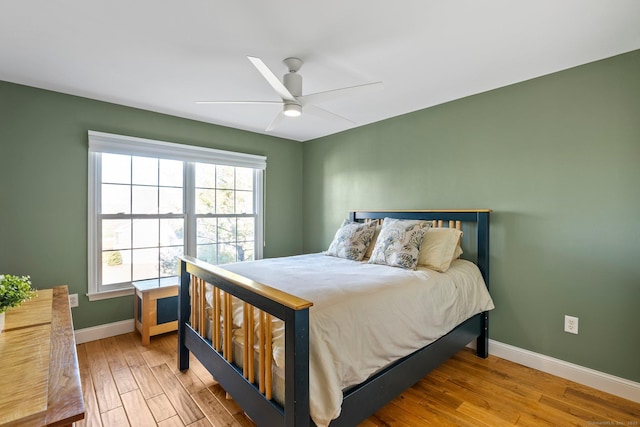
(100, 142)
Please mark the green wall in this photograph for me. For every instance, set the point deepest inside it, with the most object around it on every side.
(43, 185)
(558, 160)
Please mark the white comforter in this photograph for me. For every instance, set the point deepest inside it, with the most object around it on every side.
(365, 315)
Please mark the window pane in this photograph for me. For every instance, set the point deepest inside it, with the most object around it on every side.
(145, 263)
(170, 200)
(208, 253)
(205, 175)
(171, 173)
(172, 232)
(116, 168)
(226, 229)
(205, 201)
(169, 260)
(226, 253)
(245, 251)
(206, 230)
(146, 233)
(116, 267)
(244, 179)
(145, 200)
(116, 199)
(144, 171)
(244, 202)
(225, 177)
(224, 202)
(246, 229)
(116, 234)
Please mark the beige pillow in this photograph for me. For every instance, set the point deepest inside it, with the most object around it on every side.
(439, 247)
(458, 252)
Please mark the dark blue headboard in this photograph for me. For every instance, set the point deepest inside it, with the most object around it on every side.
(478, 217)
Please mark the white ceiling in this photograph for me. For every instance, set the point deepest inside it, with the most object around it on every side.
(163, 55)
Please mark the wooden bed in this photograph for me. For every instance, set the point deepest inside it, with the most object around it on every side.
(250, 386)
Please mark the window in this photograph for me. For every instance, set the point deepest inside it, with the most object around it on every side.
(152, 201)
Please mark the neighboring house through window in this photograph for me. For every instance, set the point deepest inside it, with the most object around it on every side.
(152, 201)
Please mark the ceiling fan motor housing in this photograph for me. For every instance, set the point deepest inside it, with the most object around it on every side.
(293, 82)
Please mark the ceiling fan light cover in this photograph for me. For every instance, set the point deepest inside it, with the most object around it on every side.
(292, 110)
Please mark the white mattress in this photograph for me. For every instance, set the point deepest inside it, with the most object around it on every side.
(364, 316)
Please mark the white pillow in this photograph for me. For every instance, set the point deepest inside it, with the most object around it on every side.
(352, 240)
(440, 247)
(398, 244)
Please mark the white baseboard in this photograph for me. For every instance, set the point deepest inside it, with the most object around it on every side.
(589, 377)
(104, 331)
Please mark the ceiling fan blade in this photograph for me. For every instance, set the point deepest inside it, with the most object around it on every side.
(240, 102)
(274, 81)
(319, 97)
(276, 121)
(320, 112)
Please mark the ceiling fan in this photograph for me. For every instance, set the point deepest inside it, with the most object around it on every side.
(290, 91)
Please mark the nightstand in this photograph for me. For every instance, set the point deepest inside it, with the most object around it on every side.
(155, 308)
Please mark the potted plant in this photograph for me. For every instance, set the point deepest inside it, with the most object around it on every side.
(14, 290)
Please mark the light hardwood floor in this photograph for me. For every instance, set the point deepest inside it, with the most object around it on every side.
(125, 383)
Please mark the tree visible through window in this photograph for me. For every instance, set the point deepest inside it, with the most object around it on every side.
(146, 210)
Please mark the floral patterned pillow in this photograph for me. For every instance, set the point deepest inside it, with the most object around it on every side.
(352, 240)
(399, 242)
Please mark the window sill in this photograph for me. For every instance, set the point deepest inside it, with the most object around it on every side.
(110, 294)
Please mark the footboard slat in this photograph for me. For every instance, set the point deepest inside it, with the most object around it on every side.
(251, 353)
(215, 313)
(192, 317)
(245, 334)
(201, 305)
(227, 327)
(261, 355)
(268, 351)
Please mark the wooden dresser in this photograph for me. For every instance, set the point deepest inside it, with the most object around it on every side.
(39, 377)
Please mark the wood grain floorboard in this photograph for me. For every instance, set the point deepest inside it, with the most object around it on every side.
(185, 406)
(137, 409)
(161, 408)
(128, 384)
(104, 383)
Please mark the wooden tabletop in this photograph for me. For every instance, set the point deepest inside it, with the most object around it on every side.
(39, 376)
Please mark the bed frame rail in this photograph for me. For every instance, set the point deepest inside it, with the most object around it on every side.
(251, 393)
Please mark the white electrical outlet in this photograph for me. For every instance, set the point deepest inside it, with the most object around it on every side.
(571, 324)
(73, 300)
